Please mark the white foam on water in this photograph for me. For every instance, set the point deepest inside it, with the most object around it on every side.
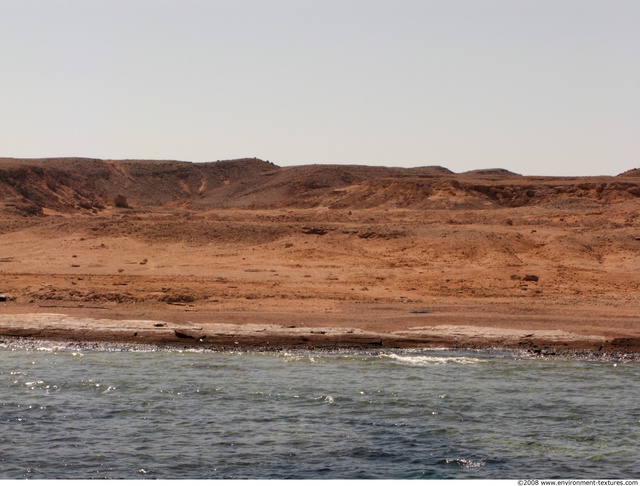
(33, 384)
(465, 463)
(431, 360)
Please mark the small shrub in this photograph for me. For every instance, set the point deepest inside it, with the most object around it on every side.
(120, 201)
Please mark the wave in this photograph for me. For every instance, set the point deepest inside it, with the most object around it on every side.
(432, 360)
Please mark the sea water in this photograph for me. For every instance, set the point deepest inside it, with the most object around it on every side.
(70, 412)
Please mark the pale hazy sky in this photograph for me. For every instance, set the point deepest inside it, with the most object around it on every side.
(549, 87)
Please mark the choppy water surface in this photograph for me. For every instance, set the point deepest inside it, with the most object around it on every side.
(77, 413)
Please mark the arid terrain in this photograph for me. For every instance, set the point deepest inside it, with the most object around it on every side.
(246, 253)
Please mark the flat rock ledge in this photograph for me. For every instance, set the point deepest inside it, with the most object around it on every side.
(129, 333)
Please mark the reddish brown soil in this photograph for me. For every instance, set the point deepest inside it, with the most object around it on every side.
(237, 253)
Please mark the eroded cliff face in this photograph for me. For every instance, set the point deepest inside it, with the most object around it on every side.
(77, 184)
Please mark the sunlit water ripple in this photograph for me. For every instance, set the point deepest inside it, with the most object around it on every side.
(79, 413)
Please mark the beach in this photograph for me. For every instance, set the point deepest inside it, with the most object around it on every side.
(369, 327)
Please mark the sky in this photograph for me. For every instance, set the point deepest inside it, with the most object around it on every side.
(538, 87)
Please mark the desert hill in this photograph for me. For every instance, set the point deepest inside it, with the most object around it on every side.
(75, 184)
(376, 248)
(69, 184)
(631, 173)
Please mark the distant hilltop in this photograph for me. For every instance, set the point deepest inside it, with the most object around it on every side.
(44, 186)
(630, 173)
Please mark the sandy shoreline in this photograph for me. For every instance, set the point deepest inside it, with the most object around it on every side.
(454, 327)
